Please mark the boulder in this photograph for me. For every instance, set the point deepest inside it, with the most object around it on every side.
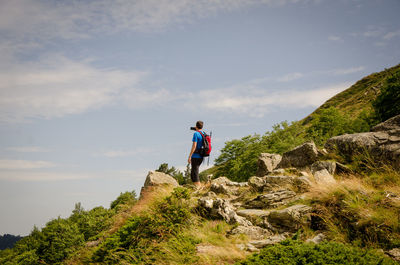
(228, 182)
(272, 240)
(382, 143)
(256, 183)
(253, 232)
(291, 218)
(221, 209)
(267, 163)
(320, 165)
(394, 254)
(299, 157)
(256, 216)
(219, 188)
(271, 200)
(155, 178)
(317, 239)
(323, 177)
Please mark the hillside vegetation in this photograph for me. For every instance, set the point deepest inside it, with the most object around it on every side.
(371, 100)
(358, 214)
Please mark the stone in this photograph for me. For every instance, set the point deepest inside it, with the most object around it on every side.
(219, 188)
(302, 184)
(256, 183)
(247, 247)
(271, 200)
(320, 165)
(228, 182)
(253, 232)
(272, 240)
(267, 163)
(394, 254)
(155, 178)
(291, 218)
(340, 168)
(299, 157)
(256, 216)
(317, 239)
(388, 125)
(279, 171)
(382, 143)
(221, 209)
(323, 177)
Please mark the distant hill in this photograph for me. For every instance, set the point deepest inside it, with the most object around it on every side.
(8, 241)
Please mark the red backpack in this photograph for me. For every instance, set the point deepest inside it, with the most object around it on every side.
(205, 149)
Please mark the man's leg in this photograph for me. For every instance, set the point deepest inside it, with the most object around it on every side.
(194, 174)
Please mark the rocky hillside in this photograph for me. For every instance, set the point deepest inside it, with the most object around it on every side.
(358, 97)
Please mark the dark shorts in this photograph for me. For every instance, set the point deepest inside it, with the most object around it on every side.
(194, 174)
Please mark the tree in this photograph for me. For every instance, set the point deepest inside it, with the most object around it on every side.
(387, 104)
(173, 172)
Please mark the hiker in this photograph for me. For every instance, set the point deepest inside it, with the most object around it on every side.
(195, 158)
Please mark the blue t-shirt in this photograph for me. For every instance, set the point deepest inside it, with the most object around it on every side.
(199, 139)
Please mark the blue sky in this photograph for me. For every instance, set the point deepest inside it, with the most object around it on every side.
(94, 94)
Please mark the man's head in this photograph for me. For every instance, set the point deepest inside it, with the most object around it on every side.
(199, 125)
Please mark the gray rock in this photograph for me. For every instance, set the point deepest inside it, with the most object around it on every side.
(228, 182)
(250, 213)
(320, 165)
(317, 239)
(253, 232)
(271, 200)
(256, 183)
(267, 163)
(272, 240)
(383, 143)
(394, 254)
(219, 188)
(247, 247)
(278, 171)
(291, 218)
(323, 177)
(301, 156)
(155, 178)
(221, 209)
(390, 124)
(302, 184)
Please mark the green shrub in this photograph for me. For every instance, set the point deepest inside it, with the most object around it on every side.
(128, 197)
(135, 241)
(91, 223)
(294, 252)
(387, 104)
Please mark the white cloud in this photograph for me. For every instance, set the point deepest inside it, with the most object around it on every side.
(290, 77)
(346, 71)
(57, 86)
(28, 149)
(46, 20)
(335, 38)
(41, 176)
(24, 164)
(257, 101)
(391, 35)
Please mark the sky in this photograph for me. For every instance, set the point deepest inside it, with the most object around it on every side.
(94, 94)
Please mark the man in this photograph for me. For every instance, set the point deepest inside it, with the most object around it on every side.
(194, 157)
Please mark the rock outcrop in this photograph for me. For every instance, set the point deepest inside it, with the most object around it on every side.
(267, 163)
(155, 178)
(301, 156)
(382, 143)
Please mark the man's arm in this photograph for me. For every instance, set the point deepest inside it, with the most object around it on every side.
(194, 145)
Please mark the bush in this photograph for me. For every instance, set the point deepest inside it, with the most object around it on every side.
(135, 241)
(128, 197)
(294, 252)
(387, 104)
